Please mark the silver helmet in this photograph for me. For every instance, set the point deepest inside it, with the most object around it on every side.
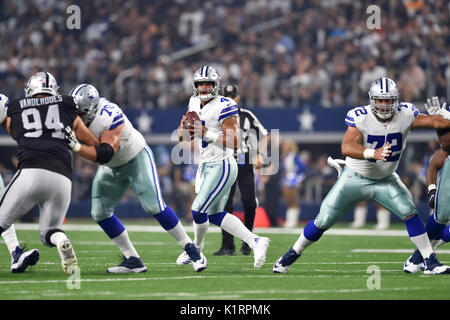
(41, 82)
(383, 89)
(86, 98)
(3, 107)
(206, 74)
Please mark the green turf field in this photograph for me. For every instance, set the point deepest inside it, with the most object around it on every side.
(335, 268)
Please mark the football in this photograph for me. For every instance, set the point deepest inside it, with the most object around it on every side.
(191, 117)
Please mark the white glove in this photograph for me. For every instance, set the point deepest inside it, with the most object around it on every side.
(336, 163)
(444, 112)
(72, 140)
(433, 107)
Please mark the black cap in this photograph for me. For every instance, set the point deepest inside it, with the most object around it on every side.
(230, 90)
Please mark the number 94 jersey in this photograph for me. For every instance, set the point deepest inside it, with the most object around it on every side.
(376, 134)
(108, 117)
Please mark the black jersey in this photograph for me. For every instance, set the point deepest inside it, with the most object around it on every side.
(37, 125)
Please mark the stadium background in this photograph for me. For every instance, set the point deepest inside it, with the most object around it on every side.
(300, 66)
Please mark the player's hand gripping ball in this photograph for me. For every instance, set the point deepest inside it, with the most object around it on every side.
(191, 117)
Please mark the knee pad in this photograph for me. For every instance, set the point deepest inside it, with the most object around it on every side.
(45, 236)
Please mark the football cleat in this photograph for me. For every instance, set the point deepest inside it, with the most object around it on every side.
(184, 258)
(129, 265)
(414, 263)
(67, 255)
(283, 263)
(197, 258)
(433, 266)
(20, 259)
(260, 251)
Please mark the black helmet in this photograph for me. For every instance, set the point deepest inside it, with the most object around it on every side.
(230, 90)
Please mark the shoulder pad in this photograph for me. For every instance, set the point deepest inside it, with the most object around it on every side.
(408, 108)
(110, 114)
(354, 114)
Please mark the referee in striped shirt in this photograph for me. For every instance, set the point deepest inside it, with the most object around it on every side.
(249, 156)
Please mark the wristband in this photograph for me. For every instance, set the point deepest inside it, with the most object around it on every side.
(76, 147)
(431, 187)
(369, 153)
(211, 137)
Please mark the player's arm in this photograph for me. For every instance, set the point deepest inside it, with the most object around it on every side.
(436, 164)
(231, 137)
(7, 126)
(258, 162)
(103, 153)
(430, 121)
(84, 134)
(352, 147)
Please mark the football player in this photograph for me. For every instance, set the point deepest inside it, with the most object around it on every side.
(44, 175)
(125, 160)
(438, 196)
(217, 135)
(20, 259)
(373, 144)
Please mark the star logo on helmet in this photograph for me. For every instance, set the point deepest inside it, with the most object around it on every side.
(90, 97)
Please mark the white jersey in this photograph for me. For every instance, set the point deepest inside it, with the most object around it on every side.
(108, 117)
(212, 116)
(376, 134)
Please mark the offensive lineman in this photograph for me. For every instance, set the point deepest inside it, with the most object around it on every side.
(45, 164)
(125, 159)
(217, 135)
(373, 144)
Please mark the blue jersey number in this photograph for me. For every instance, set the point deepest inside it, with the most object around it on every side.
(396, 141)
(204, 143)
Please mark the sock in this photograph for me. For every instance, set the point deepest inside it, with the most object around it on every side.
(200, 230)
(170, 222)
(10, 238)
(301, 244)
(180, 234)
(112, 226)
(58, 237)
(116, 231)
(201, 225)
(435, 230)
(446, 235)
(418, 235)
(234, 226)
(124, 244)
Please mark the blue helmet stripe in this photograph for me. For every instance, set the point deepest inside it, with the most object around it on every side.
(206, 71)
(381, 84)
(387, 85)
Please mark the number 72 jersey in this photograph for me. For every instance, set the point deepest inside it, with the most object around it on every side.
(376, 134)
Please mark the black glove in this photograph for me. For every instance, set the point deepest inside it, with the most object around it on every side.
(431, 196)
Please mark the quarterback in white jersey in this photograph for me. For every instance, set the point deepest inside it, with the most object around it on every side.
(125, 160)
(373, 144)
(218, 136)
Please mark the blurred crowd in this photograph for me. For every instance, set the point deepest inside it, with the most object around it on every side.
(281, 53)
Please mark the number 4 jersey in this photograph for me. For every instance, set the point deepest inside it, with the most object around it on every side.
(376, 134)
(37, 125)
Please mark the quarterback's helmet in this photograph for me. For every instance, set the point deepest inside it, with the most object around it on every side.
(86, 98)
(206, 74)
(41, 82)
(383, 88)
(3, 107)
